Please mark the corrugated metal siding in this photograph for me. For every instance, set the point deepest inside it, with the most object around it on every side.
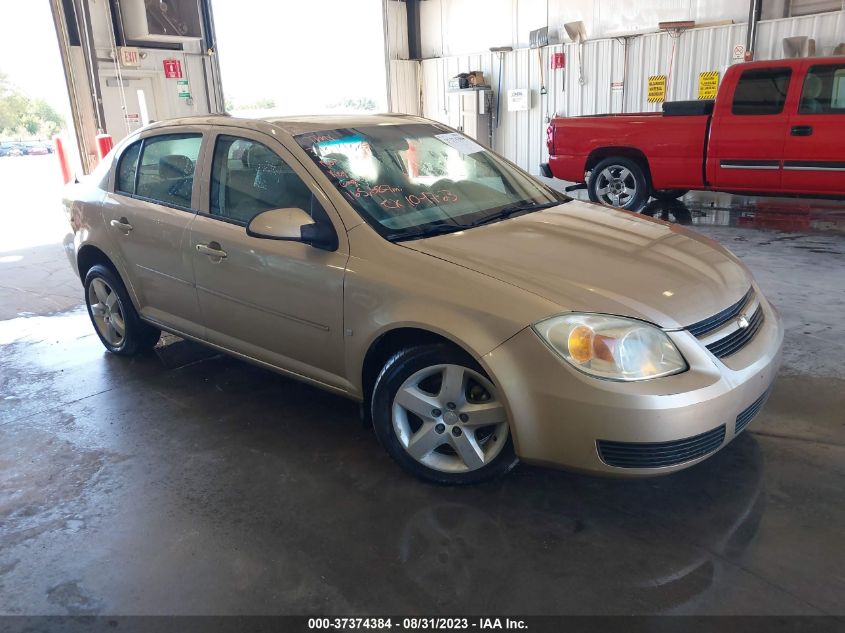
(397, 30)
(521, 135)
(828, 29)
(405, 86)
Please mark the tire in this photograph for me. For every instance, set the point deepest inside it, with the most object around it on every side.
(113, 316)
(669, 194)
(437, 398)
(619, 182)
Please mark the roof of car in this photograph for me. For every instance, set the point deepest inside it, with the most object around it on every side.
(294, 125)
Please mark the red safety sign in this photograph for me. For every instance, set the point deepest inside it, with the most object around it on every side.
(172, 69)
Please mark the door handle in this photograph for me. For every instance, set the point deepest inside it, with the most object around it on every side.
(212, 249)
(122, 225)
(802, 130)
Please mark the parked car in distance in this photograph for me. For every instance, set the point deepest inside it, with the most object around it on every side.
(776, 127)
(37, 148)
(478, 315)
(11, 149)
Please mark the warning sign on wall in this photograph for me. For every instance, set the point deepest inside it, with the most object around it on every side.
(708, 84)
(657, 89)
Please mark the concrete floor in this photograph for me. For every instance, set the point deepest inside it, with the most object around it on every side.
(184, 482)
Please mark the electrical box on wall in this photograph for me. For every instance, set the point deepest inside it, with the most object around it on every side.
(519, 100)
(161, 20)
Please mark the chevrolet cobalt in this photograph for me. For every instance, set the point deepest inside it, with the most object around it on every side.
(479, 316)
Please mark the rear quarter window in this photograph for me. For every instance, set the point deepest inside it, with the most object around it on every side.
(824, 90)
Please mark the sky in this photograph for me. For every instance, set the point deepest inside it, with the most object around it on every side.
(29, 51)
(302, 54)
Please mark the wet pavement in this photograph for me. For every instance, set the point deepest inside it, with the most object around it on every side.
(185, 482)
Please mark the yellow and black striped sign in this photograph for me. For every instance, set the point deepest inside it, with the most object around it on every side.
(657, 89)
(708, 84)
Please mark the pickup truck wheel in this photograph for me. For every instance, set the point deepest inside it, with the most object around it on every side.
(619, 182)
(669, 194)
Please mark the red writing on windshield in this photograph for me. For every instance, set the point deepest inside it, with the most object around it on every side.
(414, 200)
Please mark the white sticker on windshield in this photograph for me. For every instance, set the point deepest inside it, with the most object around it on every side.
(460, 142)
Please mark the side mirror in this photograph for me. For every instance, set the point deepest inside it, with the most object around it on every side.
(279, 224)
(292, 225)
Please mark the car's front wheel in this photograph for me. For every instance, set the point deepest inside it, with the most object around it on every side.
(114, 317)
(440, 417)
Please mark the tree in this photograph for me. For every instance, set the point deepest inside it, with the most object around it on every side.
(18, 111)
(361, 103)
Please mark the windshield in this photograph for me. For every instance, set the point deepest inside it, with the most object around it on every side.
(414, 180)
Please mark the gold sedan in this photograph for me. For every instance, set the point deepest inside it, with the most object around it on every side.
(480, 316)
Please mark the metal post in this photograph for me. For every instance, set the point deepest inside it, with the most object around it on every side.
(754, 11)
(86, 35)
(62, 33)
(412, 9)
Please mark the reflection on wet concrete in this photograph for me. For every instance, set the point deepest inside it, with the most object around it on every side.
(797, 215)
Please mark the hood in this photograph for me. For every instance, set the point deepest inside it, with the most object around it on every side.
(590, 258)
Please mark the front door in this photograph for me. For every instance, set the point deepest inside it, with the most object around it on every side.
(748, 132)
(275, 301)
(814, 157)
(147, 215)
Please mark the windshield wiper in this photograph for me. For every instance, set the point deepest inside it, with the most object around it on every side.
(431, 231)
(507, 212)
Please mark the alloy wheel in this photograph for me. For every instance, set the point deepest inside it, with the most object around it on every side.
(107, 312)
(616, 186)
(449, 418)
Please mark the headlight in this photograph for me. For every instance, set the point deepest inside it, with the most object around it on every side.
(612, 347)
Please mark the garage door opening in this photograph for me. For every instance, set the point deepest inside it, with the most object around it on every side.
(301, 58)
(34, 108)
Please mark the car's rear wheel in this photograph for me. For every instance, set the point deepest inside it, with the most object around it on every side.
(439, 416)
(619, 182)
(115, 319)
(669, 194)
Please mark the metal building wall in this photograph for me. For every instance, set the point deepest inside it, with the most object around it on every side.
(404, 86)
(520, 136)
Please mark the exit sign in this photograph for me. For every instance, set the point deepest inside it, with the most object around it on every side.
(129, 56)
(172, 69)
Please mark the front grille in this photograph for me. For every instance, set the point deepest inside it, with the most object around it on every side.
(718, 320)
(660, 454)
(735, 341)
(746, 416)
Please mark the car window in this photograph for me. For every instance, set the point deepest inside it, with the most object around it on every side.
(166, 168)
(761, 91)
(824, 90)
(248, 178)
(126, 169)
(411, 178)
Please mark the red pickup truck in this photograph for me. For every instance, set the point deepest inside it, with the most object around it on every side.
(775, 128)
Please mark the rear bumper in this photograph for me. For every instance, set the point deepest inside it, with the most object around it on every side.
(561, 417)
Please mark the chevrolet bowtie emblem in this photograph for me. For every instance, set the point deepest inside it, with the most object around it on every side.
(743, 322)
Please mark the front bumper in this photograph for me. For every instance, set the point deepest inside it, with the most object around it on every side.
(559, 416)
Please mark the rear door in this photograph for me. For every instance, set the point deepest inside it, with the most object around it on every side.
(147, 215)
(749, 131)
(814, 157)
